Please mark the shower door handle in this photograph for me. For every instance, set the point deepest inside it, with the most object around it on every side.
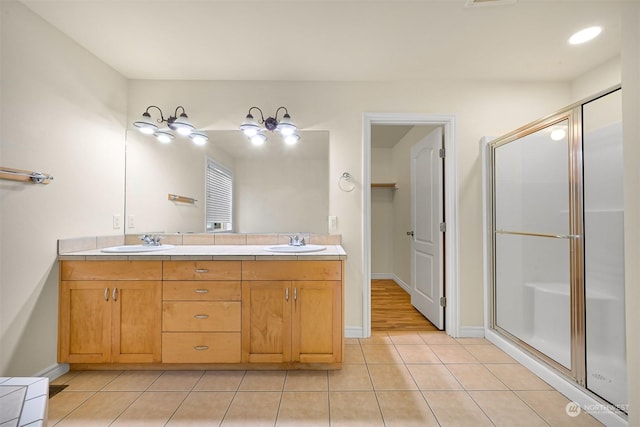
(553, 236)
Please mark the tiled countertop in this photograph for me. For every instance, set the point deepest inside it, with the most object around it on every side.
(211, 252)
(23, 401)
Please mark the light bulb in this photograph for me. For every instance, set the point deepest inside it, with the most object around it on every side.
(184, 130)
(163, 137)
(147, 130)
(291, 139)
(258, 139)
(199, 138)
(250, 132)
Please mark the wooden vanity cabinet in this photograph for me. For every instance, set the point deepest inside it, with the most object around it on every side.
(201, 312)
(110, 311)
(186, 312)
(292, 311)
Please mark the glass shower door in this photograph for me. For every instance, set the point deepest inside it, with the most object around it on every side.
(606, 372)
(533, 241)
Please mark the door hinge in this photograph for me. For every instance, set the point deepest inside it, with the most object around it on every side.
(443, 301)
(441, 153)
(443, 227)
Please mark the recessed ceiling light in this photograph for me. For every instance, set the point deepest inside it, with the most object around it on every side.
(585, 35)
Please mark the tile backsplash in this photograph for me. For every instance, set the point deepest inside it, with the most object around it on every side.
(98, 242)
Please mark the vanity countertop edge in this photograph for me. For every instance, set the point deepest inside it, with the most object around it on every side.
(210, 253)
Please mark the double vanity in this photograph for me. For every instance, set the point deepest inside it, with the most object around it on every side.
(202, 307)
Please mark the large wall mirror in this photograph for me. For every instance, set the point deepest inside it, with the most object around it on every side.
(276, 187)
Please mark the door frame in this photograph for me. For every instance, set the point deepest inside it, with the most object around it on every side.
(451, 285)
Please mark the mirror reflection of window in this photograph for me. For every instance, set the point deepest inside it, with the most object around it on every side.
(219, 202)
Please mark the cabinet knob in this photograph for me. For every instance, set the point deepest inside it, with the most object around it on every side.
(201, 347)
(201, 316)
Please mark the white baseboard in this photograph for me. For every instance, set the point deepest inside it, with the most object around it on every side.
(572, 391)
(470, 332)
(54, 371)
(353, 332)
(382, 276)
(402, 284)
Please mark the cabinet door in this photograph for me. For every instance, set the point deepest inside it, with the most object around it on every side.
(317, 322)
(266, 321)
(84, 330)
(136, 322)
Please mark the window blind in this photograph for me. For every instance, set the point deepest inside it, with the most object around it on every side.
(219, 207)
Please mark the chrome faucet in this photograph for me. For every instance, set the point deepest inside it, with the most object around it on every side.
(151, 240)
(296, 241)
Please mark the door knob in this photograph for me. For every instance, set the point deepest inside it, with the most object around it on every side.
(410, 233)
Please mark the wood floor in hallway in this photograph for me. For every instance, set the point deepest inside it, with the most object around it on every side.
(391, 309)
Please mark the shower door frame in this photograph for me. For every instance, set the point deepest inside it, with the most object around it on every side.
(572, 113)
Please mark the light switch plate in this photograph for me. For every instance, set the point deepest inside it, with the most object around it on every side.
(117, 221)
(333, 222)
(131, 221)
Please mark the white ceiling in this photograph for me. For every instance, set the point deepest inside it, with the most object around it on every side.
(338, 40)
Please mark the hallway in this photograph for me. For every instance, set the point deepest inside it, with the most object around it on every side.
(391, 309)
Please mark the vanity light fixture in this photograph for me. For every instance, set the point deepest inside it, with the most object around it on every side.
(256, 132)
(178, 123)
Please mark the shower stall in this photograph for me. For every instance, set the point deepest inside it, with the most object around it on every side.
(555, 222)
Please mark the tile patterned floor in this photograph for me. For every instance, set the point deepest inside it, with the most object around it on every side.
(391, 379)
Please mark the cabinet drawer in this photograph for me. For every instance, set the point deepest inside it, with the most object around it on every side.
(111, 270)
(202, 290)
(201, 270)
(291, 270)
(195, 347)
(201, 316)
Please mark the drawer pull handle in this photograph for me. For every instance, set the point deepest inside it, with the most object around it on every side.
(202, 291)
(202, 270)
(201, 347)
(106, 294)
(201, 316)
(115, 294)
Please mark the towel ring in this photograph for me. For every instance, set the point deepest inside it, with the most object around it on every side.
(346, 177)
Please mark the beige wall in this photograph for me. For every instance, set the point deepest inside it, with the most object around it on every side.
(382, 253)
(481, 108)
(600, 78)
(63, 112)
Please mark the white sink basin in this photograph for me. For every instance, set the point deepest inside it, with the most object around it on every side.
(296, 249)
(136, 248)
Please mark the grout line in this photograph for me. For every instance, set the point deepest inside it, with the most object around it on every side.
(226, 412)
(480, 407)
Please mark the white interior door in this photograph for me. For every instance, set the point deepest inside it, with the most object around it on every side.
(426, 217)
